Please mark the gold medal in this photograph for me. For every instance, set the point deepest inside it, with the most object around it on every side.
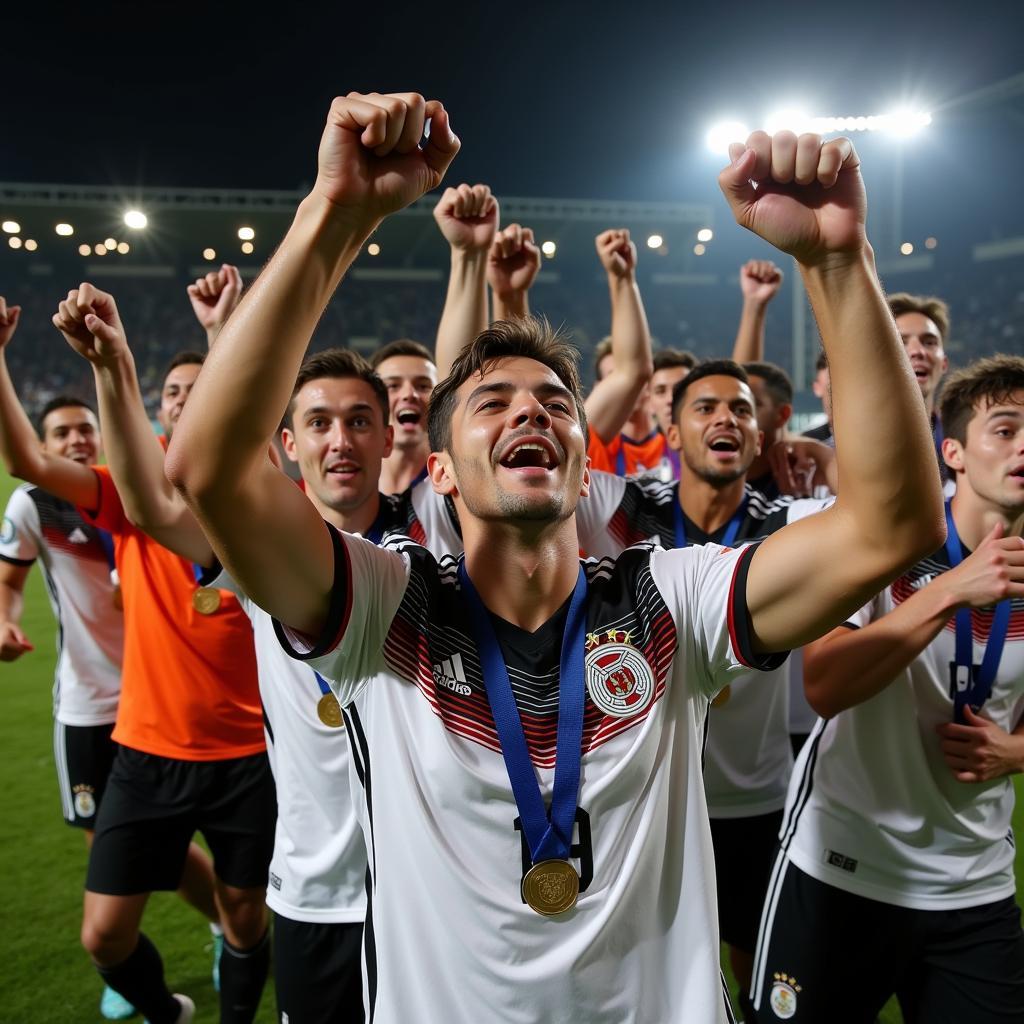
(722, 697)
(551, 887)
(329, 711)
(206, 600)
(117, 599)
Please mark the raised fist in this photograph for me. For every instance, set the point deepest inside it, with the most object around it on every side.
(760, 280)
(215, 296)
(468, 217)
(89, 321)
(370, 161)
(13, 642)
(513, 261)
(8, 322)
(617, 253)
(803, 195)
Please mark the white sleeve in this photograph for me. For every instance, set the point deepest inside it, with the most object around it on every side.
(369, 584)
(804, 507)
(20, 532)
(879, 605)
(594, 512)
(442, 534)
(705, 588)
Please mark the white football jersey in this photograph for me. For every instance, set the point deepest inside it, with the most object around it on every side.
(90, 629)
(448, 936)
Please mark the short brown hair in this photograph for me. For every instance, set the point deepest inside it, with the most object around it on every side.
(335, 363)
(601, 349)
(401, 347)
(990, 381)
(187, 357)
(669, 358)
(928, 305)
(525, 337)
(776, 381)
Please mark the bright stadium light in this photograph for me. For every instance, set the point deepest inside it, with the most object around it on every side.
(549, 249)
(64, 230)
(123, 248)
(720, 135)
(904, 123)
(247, 248)
(699, 249)
(907, 248)
(100, 250)
(655, 241)
(705, 235)
(931, 242)
(787, 120)
(110, 243)
(135, 219)
(209, 254)
(12, 227)
(84, 249)
(246, 234)
(31, 244)
(373, 249)
(14, 242)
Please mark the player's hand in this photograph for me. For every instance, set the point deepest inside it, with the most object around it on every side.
(215, 296)
(13, 642)
(468, 217)
(800, 465)
(513, 262)
(979, 750)
(371, 163)
(9, 316)
(90, 323)
(760, 281)
(617, 253)
(990, 574)
(804, 196)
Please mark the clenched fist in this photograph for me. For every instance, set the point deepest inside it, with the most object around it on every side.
(90, 323)
(617, 253)
(468, 217)
(513, 261)
(760, 280)
(8, 322)
(214, 296)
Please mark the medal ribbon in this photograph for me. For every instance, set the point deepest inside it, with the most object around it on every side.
(322, 683)
(108, 547)
(673, 460)
(730, 531)
(979, 686)
(548, 836)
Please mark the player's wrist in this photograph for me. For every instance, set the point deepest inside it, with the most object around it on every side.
(344, 225)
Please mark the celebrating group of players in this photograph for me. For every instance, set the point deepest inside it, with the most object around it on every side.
(474, 775)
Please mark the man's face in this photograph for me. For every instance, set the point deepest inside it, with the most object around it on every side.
(771, 417)
(409, 380)
(822, 388)
(662, 385)
(716, 431)
(73, 433)
(992, 460)
(177, 388)
(517, 451)
(923, 343)
(338, 438)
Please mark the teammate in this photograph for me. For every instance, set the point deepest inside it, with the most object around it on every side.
(823, 392)
(670, 367)
(462, 871)
(897, 833)
(923, 323)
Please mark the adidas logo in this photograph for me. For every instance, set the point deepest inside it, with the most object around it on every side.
(78, 536)
(452, 676)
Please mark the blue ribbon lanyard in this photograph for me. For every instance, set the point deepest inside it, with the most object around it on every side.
(108, 547)
(673, 460)
(974, 688)
(938, 437)
(730, 531)
(620, 458)
(322, 683)
(549, 837)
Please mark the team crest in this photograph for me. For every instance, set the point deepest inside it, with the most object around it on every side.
(7, 531)
(783, 997)
(85, 803)
(619, 679)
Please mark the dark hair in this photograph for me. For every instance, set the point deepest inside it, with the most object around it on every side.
(335, 363)
(601, 349)
(990, 381)
(187, 357)
(61, 402)
(401, 347)
(669, 358)
(776, 380)
(526, 337)
(709, 368)
(821, 363)
(928, 305)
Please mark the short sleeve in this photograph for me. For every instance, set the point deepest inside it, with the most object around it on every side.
(594, 513)
(705, 588)
(20, 534)
(804, 507)
(109, 514)
(369, 584)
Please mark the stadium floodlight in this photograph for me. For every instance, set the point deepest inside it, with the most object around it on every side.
(209, 254)
(12, 227)
(655, 241)
(931, 242)
(792, 120)
(549, 249)
(907, 248)
(84, 249)
(699, 249)
(135, 219)
(373, 249)
(100, 249)
(246, 234)
(247, 248)
(123, 248)
(14, 242)
(64, 230)
(110, 243)
(705, 235)
(31, 244)
(904, 123)
(720, 135)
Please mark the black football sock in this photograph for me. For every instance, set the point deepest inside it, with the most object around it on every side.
(243, 973)
(140, 979)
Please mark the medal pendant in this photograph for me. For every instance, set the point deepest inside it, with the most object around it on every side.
(551, 887)
(206, 600)
(722, 697)
(328, 710)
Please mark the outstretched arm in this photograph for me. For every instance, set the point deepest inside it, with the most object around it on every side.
(760, 281)
(214, 298)
(612, 400)
(370, 165)
(468, 219)
(810, 202)
(512, 267)
(90, 323)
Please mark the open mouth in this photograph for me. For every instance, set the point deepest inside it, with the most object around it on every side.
(529, 455)
(725, 445)
(343, 470)
(409, 418)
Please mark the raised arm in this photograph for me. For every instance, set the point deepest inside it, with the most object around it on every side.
(512, 267)
(612, 400)
(263, 528)
(214, 298)
(760, 281)
(809, 202)
(91, 325)
(13, 642)
(468, 219)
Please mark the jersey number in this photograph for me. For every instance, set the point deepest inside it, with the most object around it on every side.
(580, 850)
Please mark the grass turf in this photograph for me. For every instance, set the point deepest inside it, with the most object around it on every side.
(47, 977)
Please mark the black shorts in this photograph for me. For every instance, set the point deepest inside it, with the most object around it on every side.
(828, 955)
(744, 854)
(153, 807)
(83, 755)
(317, 971)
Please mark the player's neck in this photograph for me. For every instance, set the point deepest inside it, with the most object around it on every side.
(709, 506)
(401, 467)
(353, 520)
(975, 516)
(759, 467)
(638, 426)
(523, 572)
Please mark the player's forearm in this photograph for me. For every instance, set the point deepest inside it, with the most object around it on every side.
(511, 305)
(631, 337)
(19, 445)
(243, 391)
(749, 344)
(465, 307)
(12, 604)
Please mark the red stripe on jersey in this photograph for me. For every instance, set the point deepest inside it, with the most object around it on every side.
(417, 533)
(981, 620)
(625, 532)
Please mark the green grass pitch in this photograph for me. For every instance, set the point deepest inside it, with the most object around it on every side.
(46, 977)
